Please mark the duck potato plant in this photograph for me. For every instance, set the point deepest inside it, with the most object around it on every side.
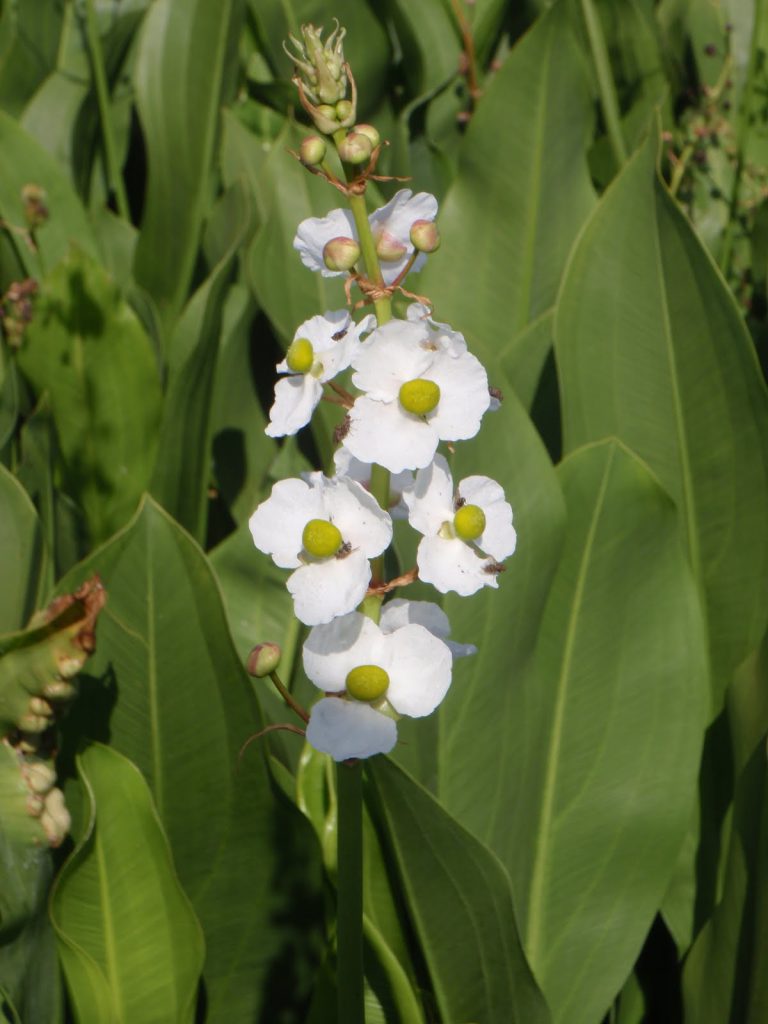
(383, 511)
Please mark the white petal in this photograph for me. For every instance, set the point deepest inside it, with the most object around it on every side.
(464, 396)
(452, 565)
(439, 334)
(334, 586)
(346, 729)
(314, 232)
(392, 355)
(499, 537)
(399, 612)
(347, 465)
(420, 668)
(401, 211)
(295, 401)
(383, 432)
(278, 523)
(362, 522)
(332, 650)
(430, 498)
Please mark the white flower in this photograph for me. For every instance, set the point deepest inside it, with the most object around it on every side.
(465, 535)
(321, 348)
(391, 227)
(399, 612)
(419, 391)
(406, 671)
(347, 465)
(325, 529)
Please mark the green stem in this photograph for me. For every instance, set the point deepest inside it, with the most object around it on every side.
(349, 947)
(608, 98)
(102, 98)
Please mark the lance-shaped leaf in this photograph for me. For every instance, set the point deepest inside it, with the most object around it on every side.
(459, 897)
(180, 706)
(521, 194)
(184, 51)
(611, 714)
(87, 348)
(652, 349)
(130, 943)
(21, 543)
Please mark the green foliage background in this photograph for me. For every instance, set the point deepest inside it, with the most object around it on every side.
(578, 835)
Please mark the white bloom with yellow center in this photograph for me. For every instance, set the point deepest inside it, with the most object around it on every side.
(378, 675)
(419, 389)
(321, 348)
(391, 228)
(466, 533)
(326, 530)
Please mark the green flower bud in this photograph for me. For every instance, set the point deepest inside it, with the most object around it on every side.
(300, 355)
(344, 110)
(263, 659)
(388, 248)
(419, 396)
(370, 131)
(469, 522)
(321, 66)
(329, 114)
(312, 150)
(321, 538)
(355, 149)
(341, 253)
(425, 236)
(367, 682)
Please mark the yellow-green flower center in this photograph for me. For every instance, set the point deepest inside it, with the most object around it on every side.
(321, 538)
(469, 522)
(300, 356)
(367, 682)
(419, 396)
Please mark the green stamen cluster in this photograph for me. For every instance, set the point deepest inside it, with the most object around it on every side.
(321, 538)
(419, 396)
(469, 522)
(300, 356)
(367, 682)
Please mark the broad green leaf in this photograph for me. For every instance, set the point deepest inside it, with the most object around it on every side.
(29, 965)
(184, 52)
(477, 778)
(523, 358)
(183, 708)
(651, 348)
(119, 911)
(23, 554)
(459, 897)
(611, 717)
(23, 161)
(29, 39)
(430, 43)
(9, 400)
(521, 194)
(724, 978)
(86, 347)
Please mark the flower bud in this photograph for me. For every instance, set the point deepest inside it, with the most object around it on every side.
(345, 110)
(355, 149)
(425, 236)
(263, 659)
(370, 131)
(341, 253)
(389, 248)
(55, 819)
(367, 682)
(321, 66)
(419, 396)
(312, 150)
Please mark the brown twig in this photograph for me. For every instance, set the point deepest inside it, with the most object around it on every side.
(399, 581)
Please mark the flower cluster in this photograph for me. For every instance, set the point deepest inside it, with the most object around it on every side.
(416, 385)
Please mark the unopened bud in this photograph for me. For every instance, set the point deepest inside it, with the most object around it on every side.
(312, 150)
(355, 148)
(389, 248)
(55, 819)
(263, 659)
(341, 254)
(33, 199)
(425, 236)
(370, 132)
(345, 110)
(320, 65)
